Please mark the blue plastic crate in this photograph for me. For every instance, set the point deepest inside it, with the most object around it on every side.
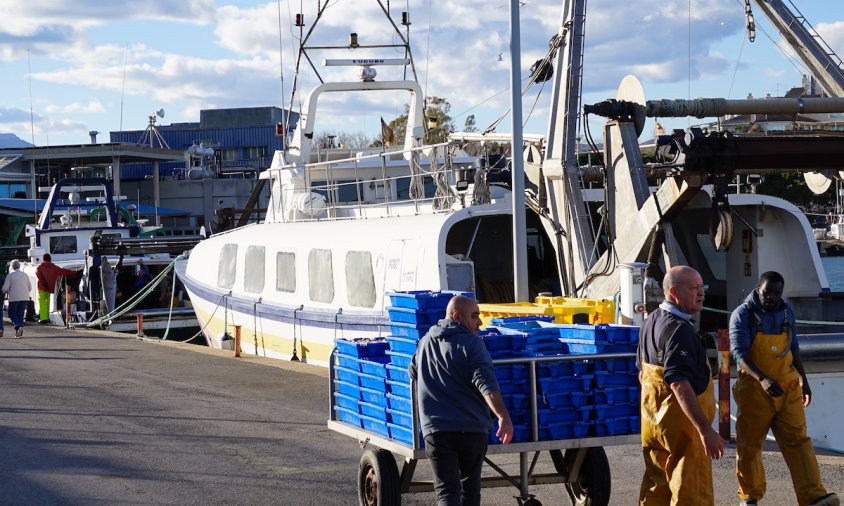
(400, 417)
(378, 426)
(509, 387)
(606, 411)
(510, 371)
(408, 330)
(347, 416)
(581, 398)
(373, 410)
(403, 434)
(619, 334)
(361, 347)
(423, 299)
(584, 346)
(346, 388)
(554, 400)
(373, 382)
(504, 342)
(415, 316)
(554, 369)
(555, 432)
(634, 393)
(401, 360)
(376, 367)
(635, 424)
(612, 427)
(516, 402)
(564, 384)
(612, 395)
(399, 388)
(609, 379)
(346, 401)
(399, 403)
(347, 375)
(581, 429)
(397, 373)
(347, 361)
(616, 364)
(402, 345)
(372, 396)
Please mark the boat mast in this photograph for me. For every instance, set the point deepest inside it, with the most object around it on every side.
(520, 273)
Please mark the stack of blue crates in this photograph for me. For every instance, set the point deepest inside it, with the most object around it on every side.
(361, 383)
(372, 385)
(575, 398)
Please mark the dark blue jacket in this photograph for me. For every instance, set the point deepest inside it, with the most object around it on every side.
(453, 373)
(746, 321)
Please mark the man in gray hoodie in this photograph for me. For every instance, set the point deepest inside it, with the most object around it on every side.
(455, 391)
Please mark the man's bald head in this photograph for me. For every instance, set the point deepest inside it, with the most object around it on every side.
(683, 286)
(464, 310)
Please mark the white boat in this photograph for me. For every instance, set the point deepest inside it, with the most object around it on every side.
(339, 234)
(78, 223)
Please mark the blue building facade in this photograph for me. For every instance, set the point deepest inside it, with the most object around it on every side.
(234, 143)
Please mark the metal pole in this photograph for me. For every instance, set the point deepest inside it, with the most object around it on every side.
(724, 384)
(520, 274)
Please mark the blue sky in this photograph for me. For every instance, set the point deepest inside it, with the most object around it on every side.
(81, 65)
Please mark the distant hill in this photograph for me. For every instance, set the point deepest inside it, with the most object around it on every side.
(12, 141)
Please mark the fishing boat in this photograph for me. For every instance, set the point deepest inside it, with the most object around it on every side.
(82, 226)
(341, 233)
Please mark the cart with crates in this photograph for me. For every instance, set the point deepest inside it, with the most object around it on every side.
(570, 389)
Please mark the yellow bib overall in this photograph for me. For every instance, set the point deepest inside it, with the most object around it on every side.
(757, 412)
(677, 470)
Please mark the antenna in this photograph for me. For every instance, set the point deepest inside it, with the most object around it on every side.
(151, 134)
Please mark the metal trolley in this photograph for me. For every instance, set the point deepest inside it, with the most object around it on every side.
(581, 464)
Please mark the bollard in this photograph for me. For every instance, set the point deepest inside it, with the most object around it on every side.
(237, 341)
(724, 384)
(140, 326)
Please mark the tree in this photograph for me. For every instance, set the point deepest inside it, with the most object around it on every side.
(470, 125)
(333, 139)
(437, 122)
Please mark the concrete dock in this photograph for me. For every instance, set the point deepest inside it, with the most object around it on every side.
(95, 417)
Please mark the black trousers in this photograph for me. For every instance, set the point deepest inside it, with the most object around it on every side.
(456, 460)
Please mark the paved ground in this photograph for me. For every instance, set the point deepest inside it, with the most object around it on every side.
(91, 417)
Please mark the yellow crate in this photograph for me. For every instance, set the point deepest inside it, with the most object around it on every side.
(561, 308)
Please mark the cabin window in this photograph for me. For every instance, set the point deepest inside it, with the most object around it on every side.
(62, 244)
(360, 282)
(403, 187)
(226, 267)
(285, 280)
(343, 191)
(320, 276)
(253, 279)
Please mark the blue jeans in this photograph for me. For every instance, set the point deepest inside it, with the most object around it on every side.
(16, 312)
(456, 460)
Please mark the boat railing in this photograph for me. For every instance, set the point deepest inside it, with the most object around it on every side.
(352, 186)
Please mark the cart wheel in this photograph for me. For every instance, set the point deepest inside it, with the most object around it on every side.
(378, 479)
(532, 502)
(592, 485)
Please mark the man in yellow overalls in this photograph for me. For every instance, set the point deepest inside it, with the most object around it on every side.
(771, 392)
(678, 400)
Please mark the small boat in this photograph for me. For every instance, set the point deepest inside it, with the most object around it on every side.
(80, 224)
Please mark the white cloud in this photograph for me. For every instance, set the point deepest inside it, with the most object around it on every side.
(94, 106)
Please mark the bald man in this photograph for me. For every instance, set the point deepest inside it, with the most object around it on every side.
(678, 398)
(455, 391)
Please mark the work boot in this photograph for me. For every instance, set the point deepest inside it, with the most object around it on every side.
(830, 499)
(1, 333)
(18, 332)
(748, 502)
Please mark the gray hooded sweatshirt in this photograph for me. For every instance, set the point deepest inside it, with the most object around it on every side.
(453, 373)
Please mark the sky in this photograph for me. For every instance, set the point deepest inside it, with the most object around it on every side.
(74, 66)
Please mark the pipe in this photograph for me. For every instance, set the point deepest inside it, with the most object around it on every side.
(822, 346)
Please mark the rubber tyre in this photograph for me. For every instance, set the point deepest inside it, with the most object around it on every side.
(532, 502)
(378, 479)
(593, 486)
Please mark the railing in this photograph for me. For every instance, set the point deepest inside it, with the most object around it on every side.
(344, 183)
